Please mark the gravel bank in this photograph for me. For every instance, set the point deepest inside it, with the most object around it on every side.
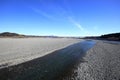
(17, 50)
(102, 62)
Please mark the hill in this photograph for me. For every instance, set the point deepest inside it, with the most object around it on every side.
(8, 34)
(16, 35)
(113, 36)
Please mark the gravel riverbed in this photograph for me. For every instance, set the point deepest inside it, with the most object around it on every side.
(102, 62)
(17, 50)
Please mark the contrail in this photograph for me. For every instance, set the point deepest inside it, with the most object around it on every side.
(70, 18)
(62, 11)
(76, 23)
(52, 17)
(36, 10)
(42, 13)
(67, 15)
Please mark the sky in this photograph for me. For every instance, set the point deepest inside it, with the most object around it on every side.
(60, 17)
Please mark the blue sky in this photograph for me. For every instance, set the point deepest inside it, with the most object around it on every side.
(60, 17)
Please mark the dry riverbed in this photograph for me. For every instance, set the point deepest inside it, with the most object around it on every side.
(17, 50)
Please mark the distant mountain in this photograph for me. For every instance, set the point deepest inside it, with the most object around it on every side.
(16, 35)
(8, 34)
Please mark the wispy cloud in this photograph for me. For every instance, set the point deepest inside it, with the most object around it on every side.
(39, 11)
(76, 23)
(70, 15)
(42, 13)
(66, 15)
(79, 26)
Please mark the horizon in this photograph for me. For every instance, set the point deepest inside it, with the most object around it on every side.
(76, 18)
(60, 35)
